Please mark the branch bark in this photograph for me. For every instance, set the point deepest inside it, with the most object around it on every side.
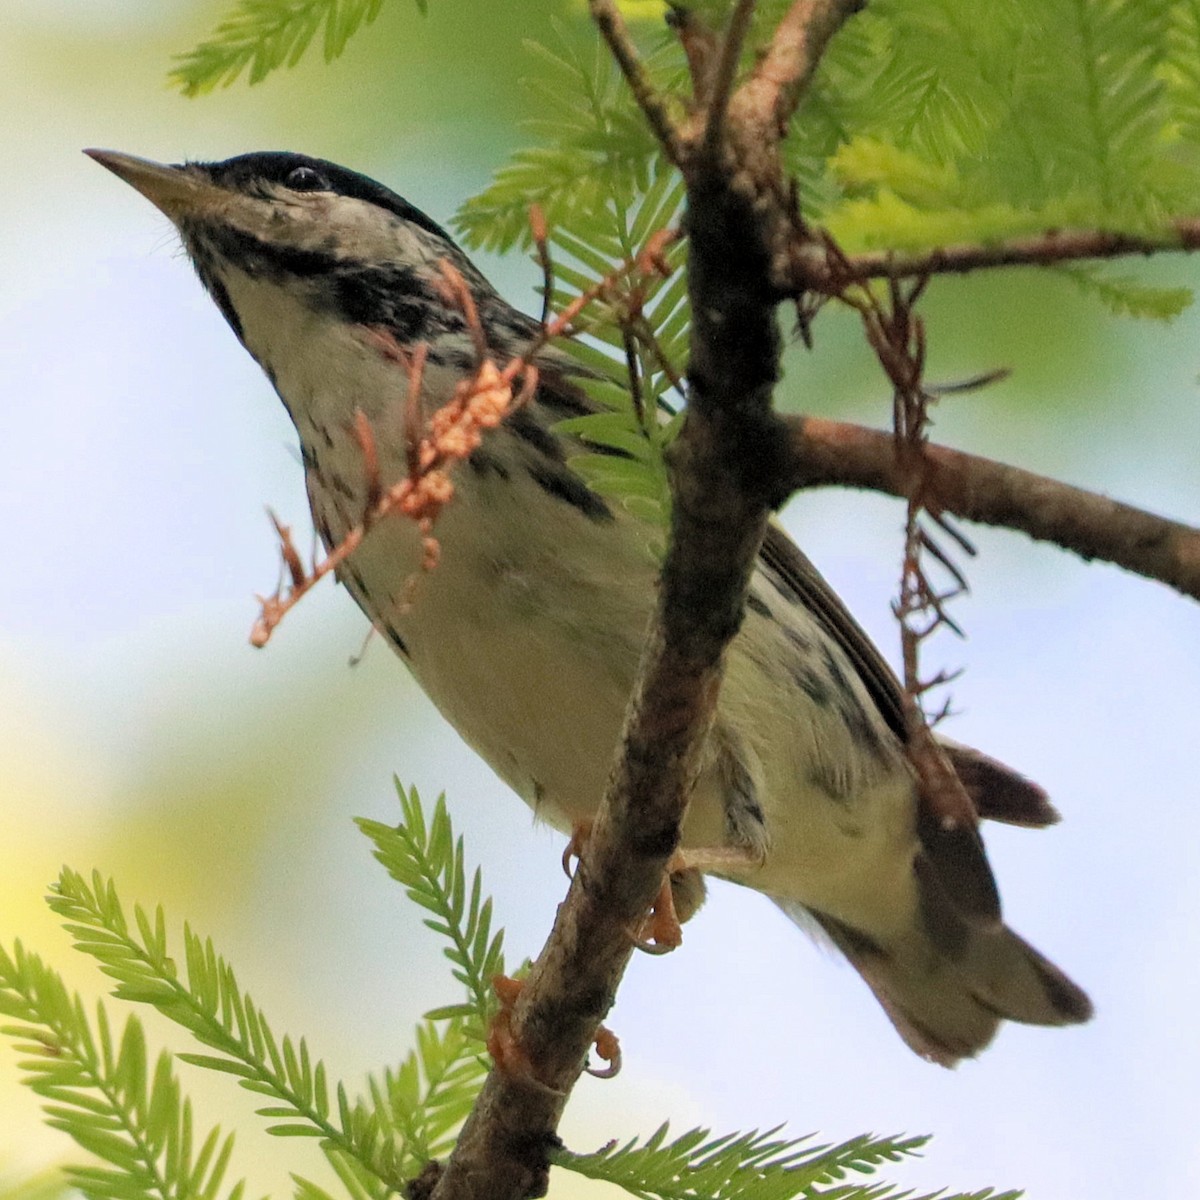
(992, 493)
(615, 32)
(808, 266)
(725, 471)
(785, 71)
(726, 73)
(733, 462)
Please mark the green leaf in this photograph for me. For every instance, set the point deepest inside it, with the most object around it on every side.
(431, 865)
(293, 1130)
(101, 1092)
(209, 1003)
(260, 36)
(1123, 295)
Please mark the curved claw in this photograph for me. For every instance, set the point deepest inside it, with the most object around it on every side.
(580, 832)
(609, 1049)
(502, 1043)
(648, 946)
(660, 932)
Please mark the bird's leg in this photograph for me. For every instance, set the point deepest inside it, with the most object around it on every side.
(682, 890)
(682, 893)
(507, 1052)
(502, 1043)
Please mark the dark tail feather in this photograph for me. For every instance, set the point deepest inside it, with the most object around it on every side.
(998, 792)
(948, 1005)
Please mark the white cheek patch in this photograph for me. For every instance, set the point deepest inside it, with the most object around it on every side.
(341, 226)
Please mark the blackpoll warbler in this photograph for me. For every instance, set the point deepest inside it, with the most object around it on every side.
(527, 634)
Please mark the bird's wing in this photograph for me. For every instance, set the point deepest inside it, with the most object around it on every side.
(999, 793)
(952, 847)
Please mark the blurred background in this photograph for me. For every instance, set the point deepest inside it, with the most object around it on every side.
(141, 734)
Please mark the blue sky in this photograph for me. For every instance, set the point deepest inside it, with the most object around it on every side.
(143, 735)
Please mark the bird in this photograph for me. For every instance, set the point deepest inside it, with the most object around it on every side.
(527, 633)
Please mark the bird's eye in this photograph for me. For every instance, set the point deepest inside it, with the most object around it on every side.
(306, 179)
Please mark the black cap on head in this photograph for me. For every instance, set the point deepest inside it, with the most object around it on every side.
(307, 174)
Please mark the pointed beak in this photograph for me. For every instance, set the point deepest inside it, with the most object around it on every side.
(177, 191)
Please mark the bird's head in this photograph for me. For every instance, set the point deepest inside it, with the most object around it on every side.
(337, 243)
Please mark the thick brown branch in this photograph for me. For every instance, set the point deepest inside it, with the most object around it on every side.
(978, 489)
(719, 518)
(725, 464)
(616, 33)
(813, 269)
(783, 75)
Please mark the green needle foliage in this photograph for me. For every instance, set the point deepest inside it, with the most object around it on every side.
(750, 1166)
(593, 159)
(928, 123)
(260, 36)
(101, 1090)
(135, 1121)
(426, 859)
(603, 192)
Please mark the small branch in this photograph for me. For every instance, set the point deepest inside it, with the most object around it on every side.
(616, 33)
(700, 47)
(812, 268)
(726, 73)
(456, 429)
(719, 516)
(787, 68)
(897, 335)
(541, 242)
(991, 493)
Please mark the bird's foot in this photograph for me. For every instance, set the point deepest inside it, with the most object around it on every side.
(609, 1049)
(682, 892)
(580, 832)
(661, 930)
(502, 1043)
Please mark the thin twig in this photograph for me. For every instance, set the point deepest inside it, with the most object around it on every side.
(633, 372)
(288, 554)
(979, 489)
(541, 243)
(414, 416)
(616, 33)
(644, 329)
(700, 47)
(458, 295)
(811, 268)
(365, 436)
(650, 260)
(726, 72)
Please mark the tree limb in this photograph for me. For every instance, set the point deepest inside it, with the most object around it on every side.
(810, 266)
(726, 72)
(992, 493)
(786, 69)
(719, 514)
(616, 33)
